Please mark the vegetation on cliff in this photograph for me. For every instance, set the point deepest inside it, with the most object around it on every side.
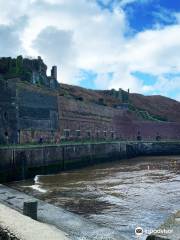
(151, 108)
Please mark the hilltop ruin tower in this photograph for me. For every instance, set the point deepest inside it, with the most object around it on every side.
(53, 77)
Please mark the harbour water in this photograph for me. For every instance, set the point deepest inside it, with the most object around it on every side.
(121, 195)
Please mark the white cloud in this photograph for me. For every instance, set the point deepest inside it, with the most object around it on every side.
(95, 33)
(165, 85)
(12, 10)
(125, 2)
(177, 16)
(57, 46)
(152, 52)
(79, 35)
(164, 15)
(121, 3)
(10, 43)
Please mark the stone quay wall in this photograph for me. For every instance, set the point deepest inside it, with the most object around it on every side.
(21, 162)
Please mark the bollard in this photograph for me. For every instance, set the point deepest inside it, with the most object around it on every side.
(30, 209)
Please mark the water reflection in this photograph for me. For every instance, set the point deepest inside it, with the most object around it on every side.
(121, 195)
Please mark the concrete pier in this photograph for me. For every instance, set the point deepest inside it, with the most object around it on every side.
(15, 226)
(170, 230)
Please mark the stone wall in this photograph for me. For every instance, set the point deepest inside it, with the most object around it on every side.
(20, 163)
(37, 113)
(92, 120)
(147, 130)
(32, 110)
(26, 162)
(8, 117)
(28, 113)
(85, 120)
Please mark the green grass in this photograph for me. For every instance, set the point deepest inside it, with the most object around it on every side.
(66, 143)
(146, 115)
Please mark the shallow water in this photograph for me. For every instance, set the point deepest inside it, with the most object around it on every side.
(120, 195)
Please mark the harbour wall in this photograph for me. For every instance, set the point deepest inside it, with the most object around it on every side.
(22, 162)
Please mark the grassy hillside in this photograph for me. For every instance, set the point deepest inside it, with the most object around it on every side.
(165, 108)
(152, 108)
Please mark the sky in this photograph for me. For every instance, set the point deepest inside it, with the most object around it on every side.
(99, 44)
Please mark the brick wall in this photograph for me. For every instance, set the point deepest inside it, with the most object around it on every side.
(29, 113)
(93, 120)
(78, 118)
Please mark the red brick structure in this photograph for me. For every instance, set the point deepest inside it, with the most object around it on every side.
(35, 108)
(82, 120)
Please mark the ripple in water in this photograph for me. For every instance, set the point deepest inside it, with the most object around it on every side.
(121, 195)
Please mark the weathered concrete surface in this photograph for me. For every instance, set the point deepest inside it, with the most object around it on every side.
(16, 226)
(77, 227)
(22, 162)
(170, 230)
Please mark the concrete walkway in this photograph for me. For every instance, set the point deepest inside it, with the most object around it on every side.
(14, 225)
(170, 230)
(75, 226)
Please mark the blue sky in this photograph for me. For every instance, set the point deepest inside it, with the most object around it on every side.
(99, 44)
(149, 15)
